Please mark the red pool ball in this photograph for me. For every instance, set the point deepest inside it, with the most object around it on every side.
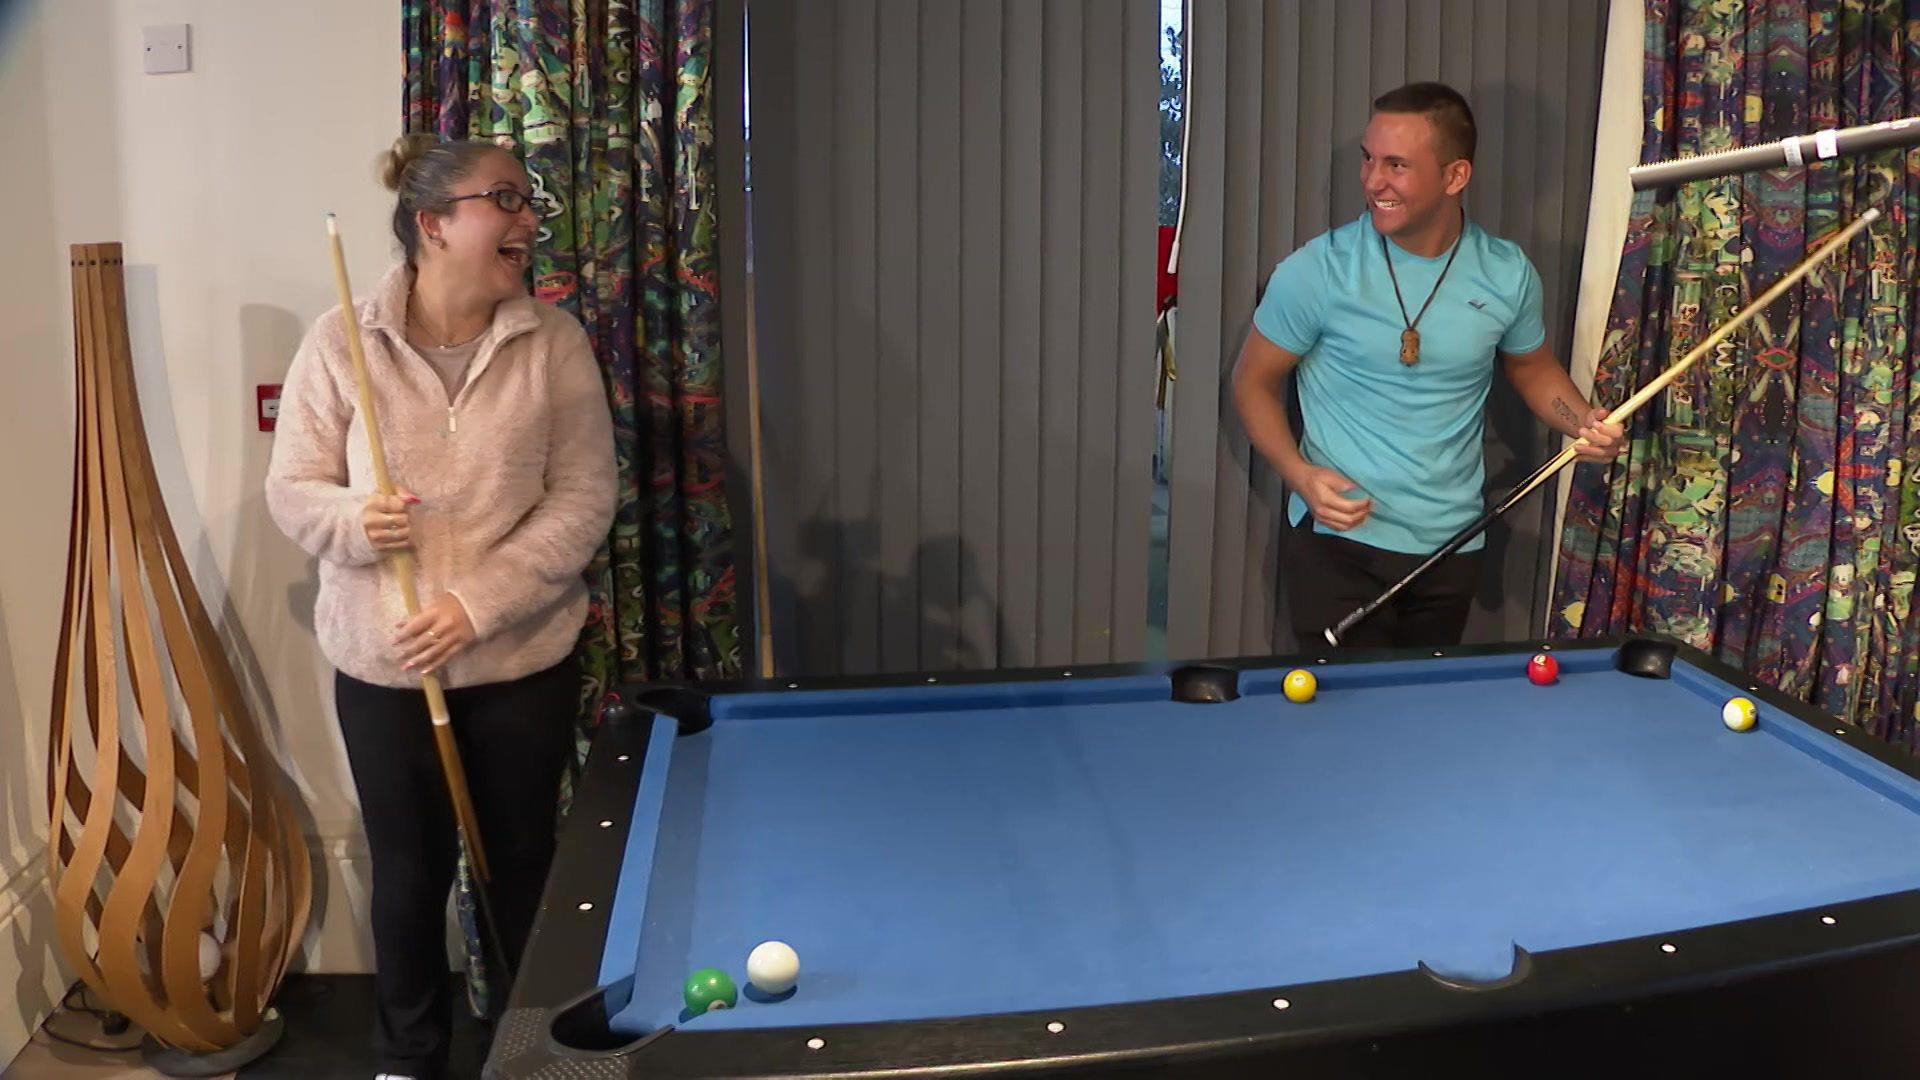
(1543, 669)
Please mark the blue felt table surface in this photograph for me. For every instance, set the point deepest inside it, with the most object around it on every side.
(952, 850)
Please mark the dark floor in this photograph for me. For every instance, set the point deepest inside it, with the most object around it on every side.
(329, 1018)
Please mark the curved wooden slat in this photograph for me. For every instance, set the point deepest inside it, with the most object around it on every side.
(171, 820)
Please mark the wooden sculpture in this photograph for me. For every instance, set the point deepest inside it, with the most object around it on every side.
(181, 879)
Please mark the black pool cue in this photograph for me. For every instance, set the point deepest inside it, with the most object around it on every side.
(466, 820)
(1617, 416)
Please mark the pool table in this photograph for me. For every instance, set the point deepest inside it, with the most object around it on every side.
(1176, 867)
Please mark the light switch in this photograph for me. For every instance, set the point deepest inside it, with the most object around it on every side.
(166, 49)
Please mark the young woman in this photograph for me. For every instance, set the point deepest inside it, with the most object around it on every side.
(497, 431)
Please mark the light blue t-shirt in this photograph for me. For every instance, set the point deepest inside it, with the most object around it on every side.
(1407, 436)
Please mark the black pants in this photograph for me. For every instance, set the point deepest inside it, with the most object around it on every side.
(1327, 577)
(514, 738)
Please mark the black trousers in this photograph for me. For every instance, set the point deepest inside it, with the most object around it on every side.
(514, 740)
(1326, 577)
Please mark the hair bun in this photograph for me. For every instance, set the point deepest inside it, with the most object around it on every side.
(406, 150)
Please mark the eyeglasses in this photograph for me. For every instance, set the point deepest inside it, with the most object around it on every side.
(508, 200)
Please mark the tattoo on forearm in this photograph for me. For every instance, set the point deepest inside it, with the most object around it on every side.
(1566, 413)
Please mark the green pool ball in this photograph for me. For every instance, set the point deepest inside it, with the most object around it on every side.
(709, 989)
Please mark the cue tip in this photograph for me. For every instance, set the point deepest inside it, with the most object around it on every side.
(333, 227)
(1332, 638)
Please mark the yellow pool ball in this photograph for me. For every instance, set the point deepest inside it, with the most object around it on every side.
(1738, 714)
(1299, 685)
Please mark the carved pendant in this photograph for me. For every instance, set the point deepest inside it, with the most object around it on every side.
(1410, 346)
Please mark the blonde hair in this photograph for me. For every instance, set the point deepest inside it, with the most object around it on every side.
(422, 170)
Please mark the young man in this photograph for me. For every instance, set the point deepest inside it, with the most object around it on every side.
(1394, 321)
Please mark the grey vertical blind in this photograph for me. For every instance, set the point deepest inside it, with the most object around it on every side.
(953, 213)
(1278, 95)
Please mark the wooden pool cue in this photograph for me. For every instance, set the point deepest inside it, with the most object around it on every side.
(402, 564)
(762, 604)
(1617, 416)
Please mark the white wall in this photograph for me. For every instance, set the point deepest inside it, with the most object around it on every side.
(35, 399)
(217, 182)
(1616, 148)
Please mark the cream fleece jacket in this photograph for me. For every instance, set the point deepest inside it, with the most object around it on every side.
(515, 475)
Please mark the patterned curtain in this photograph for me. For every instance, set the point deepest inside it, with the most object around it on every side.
(609, 104)
(1760, 513)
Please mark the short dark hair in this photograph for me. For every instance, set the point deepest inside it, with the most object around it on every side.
(1443, 106)
(422, 169)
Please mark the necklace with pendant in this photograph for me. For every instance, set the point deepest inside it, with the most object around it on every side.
(422, 327)
(1410, 337)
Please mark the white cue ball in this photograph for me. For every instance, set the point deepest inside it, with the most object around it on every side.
(773, 967)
